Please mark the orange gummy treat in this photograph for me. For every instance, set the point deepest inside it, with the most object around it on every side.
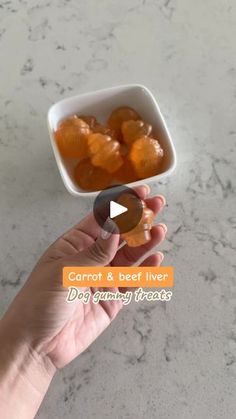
(146, 155)
(132, 130)
(118, 116)
(91, 178)
(89, 119)
(141, 233)
(126, 173)
(124, 149)
(72, 138)
(103, 129)
(105, 152)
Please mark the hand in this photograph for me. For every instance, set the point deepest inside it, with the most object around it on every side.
(41, 331)
(40, 314)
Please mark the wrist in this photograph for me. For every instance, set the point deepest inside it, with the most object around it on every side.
(25, 375)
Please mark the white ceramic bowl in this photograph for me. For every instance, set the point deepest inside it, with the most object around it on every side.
(100, 104)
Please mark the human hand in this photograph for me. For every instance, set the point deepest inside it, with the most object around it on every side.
(40, 315)
(42, 332)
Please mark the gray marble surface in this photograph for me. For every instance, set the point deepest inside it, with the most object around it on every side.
(173, 360)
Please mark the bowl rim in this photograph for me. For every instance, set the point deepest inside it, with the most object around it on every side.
(97, 92)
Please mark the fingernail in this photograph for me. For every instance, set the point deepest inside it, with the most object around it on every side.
(161, 255)
(162, 199)
(147, 189)
(163, 226)
(105, 234)
(108, 229)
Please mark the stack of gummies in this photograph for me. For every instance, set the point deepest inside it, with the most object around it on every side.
(122, 151)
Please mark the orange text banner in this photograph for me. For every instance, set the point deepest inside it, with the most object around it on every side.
(114, 276)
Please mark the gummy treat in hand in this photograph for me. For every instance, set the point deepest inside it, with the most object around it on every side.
(91, 178)
(72, 138)
(126, 173)
(89, 119)
(118, 116)
(141, 233)
(132, 130)
(105, 152)
(146, 155)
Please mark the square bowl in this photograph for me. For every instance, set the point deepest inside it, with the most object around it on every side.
(100, 104)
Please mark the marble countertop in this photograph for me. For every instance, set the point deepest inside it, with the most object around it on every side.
(169, 360)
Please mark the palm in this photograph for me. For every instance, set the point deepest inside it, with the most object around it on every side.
(78, 325)
(82, 328)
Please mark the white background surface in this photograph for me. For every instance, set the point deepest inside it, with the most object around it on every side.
(174, 360)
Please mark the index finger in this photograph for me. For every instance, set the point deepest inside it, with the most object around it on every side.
(89, 225)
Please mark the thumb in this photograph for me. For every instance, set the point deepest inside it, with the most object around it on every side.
(103, 250)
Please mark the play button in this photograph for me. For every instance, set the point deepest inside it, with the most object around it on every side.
(122, 205)
(116, 209)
